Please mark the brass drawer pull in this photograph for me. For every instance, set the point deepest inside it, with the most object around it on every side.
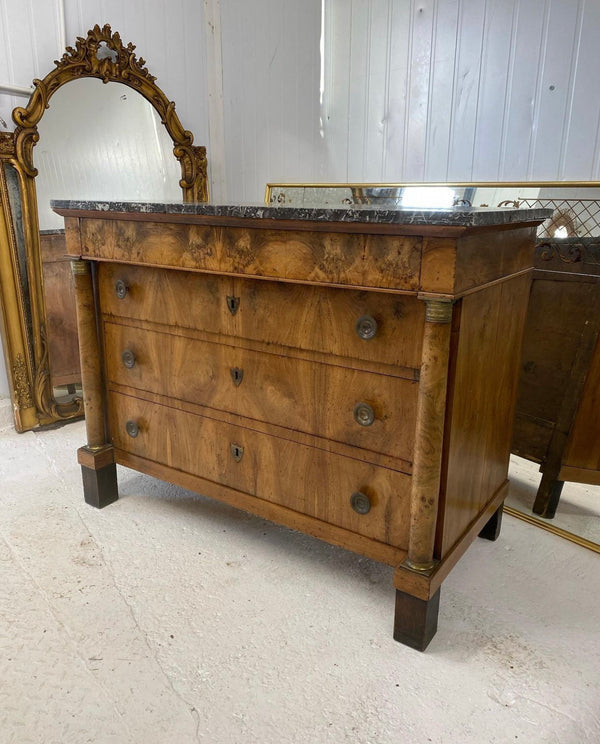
(360, 502)
(236, 451)
(128, 358)
(366, 327)
(132, 429)
(121, 289)
(364, 414)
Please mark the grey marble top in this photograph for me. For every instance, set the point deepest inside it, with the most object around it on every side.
(457, 216)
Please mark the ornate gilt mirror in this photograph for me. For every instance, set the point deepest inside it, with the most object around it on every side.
(79, 78)
(557, 426)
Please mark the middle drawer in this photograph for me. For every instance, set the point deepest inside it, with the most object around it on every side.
(363, 409)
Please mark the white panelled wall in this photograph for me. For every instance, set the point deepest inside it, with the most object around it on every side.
(435, 90)
(351, 90)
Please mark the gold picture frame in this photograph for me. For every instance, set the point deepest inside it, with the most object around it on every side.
(101, 54)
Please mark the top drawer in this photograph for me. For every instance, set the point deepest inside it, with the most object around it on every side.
(356, 259)
(371, 326)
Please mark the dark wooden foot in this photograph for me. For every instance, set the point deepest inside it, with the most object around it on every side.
(100, 486)
(491, 531)
(415, 621)
(99, 473)
(548, 496)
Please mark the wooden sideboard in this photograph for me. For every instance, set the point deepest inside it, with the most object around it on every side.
(61, 316)
(348, 373)
(557, 421)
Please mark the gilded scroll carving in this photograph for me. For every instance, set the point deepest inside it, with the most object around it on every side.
(24, 398)
(103, 55)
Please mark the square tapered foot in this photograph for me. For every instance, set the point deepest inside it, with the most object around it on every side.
(99, 473)
(415, 621)
(491, 531)
(548, 496)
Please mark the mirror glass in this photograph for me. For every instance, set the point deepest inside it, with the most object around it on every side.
(576, 207)
(16, 211)
(561, 349)
(97, 141)
(102, 141)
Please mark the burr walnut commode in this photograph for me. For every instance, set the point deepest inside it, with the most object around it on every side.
(349, 373)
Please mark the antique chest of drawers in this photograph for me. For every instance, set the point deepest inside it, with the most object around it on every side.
(350, 374)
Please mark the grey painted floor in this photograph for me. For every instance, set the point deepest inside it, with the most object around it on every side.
(167, 617)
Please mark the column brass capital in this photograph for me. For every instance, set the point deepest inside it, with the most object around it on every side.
(80, 268)
(438, 311)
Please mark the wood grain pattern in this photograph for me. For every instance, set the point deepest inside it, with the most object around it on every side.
(583, 448)
(273, 388)
(61, 316)
(281, 307)
(486, 256)
(331, 533)
(557, 421)
(319, 257)
(429, 435)
(90, 357)
(555, 320)
(481, 403)
(294, 316)
(310, 481)
(264, 427)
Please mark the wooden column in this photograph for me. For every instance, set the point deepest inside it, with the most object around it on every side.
(429, 436)
(96, 458)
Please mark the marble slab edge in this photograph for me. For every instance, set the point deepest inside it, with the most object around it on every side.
(457, 216)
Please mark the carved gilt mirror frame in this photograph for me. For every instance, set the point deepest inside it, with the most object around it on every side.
(23, 312)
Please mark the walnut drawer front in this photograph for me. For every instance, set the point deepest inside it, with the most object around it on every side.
(372, 411)
(298, 316)
(302, 478)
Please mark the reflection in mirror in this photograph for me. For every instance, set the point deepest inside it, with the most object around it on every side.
(16, 209)
(97, 141)
(576, 206)
(577, 514)
(102, 141)
(557, 426)
(110, 137)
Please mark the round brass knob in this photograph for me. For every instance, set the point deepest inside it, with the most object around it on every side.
(360, 502)
(120, 289)
(128, 358)
(364, 414)
(132, 429)
(366, 327)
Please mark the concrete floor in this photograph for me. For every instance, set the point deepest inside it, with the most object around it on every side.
(168, 618)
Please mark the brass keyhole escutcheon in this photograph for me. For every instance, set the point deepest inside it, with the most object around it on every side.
(128, 358)
(233, 304)
(366, 327)
(360, 502)
(236, 451)
(121, 289)
(237, 375)
(364, 414)
(132, 429)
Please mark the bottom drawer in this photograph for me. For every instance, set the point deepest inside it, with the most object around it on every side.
(308, 480)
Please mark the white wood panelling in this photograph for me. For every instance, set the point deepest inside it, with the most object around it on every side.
(414, 90)
(112, 146)
(214, 75)
(271, 74)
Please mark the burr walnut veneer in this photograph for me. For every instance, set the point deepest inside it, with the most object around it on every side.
(350, 374)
